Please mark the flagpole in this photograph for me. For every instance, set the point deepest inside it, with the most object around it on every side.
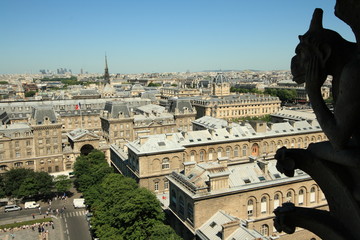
(81, 124)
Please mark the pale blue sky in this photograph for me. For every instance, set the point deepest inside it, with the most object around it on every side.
(155, 35)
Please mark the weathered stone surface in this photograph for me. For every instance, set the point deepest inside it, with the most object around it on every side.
(334, 165)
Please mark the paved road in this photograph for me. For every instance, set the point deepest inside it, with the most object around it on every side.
(69, 225)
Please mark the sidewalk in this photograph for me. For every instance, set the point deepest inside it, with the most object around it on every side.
(26, 232)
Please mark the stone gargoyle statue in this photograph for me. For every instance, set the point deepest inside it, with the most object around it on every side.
(335, 164)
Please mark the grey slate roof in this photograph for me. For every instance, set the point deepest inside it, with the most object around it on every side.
(220, 78)
(11, 129)
(235, 132)
(212, 229)
(116, 108)
(41, 113)
(210, 122)
(181, 105)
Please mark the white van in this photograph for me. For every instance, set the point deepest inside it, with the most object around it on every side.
(31, 204)
(79, 203)
(10, 208)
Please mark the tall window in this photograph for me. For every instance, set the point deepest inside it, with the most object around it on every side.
(250, 207)
(263, 204)
(289, 197)
(264, 230)
(276, 201)
(166, 184)
(165, 163)
(244, 150)
(190, 212)
(312, 194)
(265, 148)
(173, 198)
(156, 186)
(219, 152)
(201, 156)
(272, 147)
(301, 197)
(181, 205)
(228, 152)
(210, 154)
(236, 151)
(192, 156)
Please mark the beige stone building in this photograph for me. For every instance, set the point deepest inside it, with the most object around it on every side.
(220, 86)
(122, 122)
(36, 145)
(150, 159)
(236, 106)
(249, 191)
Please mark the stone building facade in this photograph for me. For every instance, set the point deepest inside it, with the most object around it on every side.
(150, 159)
(36, 145)
(122, 122)
(236, 106)
(250, 191)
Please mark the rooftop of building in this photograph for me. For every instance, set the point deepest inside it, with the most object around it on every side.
(213, 228)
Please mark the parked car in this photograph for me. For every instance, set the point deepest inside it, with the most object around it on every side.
(31, 204)
(10, 208)
(88, 216)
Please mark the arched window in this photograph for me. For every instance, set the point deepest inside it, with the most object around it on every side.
(201, 156)
(181, 205)
(276, 200)
(265, 147)
(228, 152)
(263, 205)
(301, 197)
(192, 156)
(312, 195)
(244, 150)
(250, 207)
(319, 139)
(286, 144)
(264, 230)
(211, 154)
(236, 151)
(306, 142)
(289, 197)
(219, 152)
(300, 143)
(272, 147)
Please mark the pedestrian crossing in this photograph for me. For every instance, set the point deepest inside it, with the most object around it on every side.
(72, 214)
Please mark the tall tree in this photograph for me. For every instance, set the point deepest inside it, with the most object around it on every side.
(62, 183)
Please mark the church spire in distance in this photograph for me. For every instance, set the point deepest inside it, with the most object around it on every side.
(106, 74)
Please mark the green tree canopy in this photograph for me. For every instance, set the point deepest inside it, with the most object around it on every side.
(121, 210)
(30, 93)
(62, 183)
(13, 179)
(90, 170)
(285, 95)
(21, 182)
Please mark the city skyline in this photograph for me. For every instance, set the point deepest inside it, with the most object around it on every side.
(156, 36)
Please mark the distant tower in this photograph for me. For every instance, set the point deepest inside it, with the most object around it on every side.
(220, 85)
(106, 74)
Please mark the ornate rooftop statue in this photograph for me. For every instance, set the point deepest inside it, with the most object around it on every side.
(335, 164)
